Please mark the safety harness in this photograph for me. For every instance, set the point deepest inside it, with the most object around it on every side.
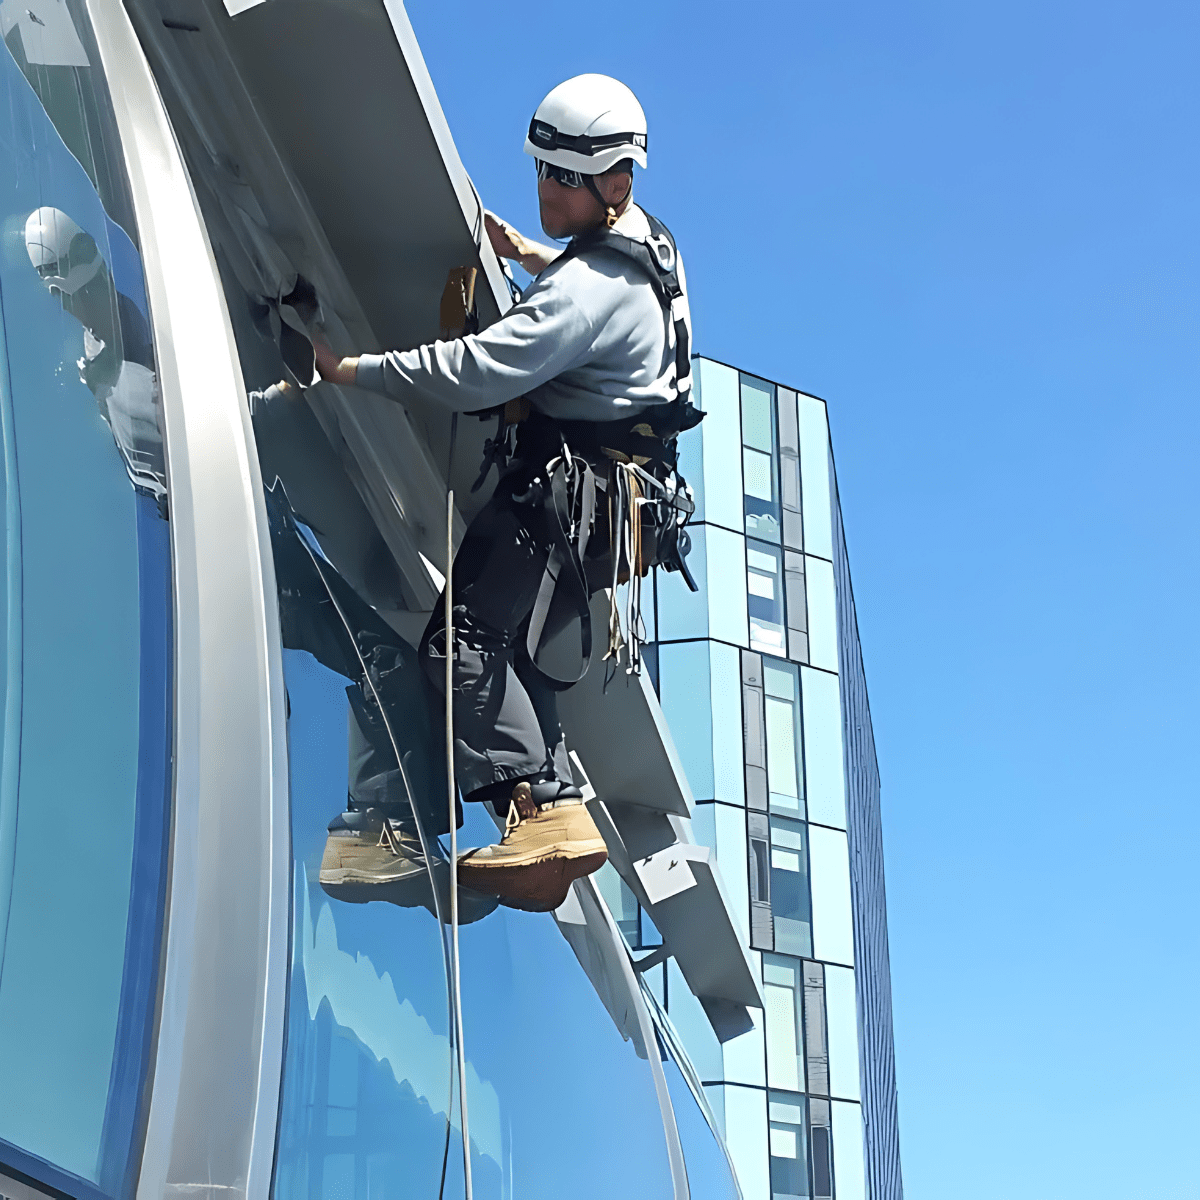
(647, 501)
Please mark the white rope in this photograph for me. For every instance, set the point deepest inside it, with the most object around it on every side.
(452, 788)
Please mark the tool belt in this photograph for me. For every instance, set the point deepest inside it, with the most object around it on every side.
(607, 490)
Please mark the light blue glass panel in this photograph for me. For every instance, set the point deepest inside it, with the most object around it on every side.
(829, 879)
(692, 1025)
(783, 1018)
(727, 586)
(757, 416)
(783, 756)
(366, 1084)
(730, 826)
(683, 613)
(709, 1171)
(824, 770)
(84, 612)
(849, 1175)
(729, 776)
(685, 692)
(746, 1137)
(841, 1016)
(822, 613)
(621, 901)
(722, 435)
(814, 477)
(745, 1056)
(757, 472)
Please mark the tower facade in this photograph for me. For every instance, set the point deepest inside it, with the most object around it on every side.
(761, 679)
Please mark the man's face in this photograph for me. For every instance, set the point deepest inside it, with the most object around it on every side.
(566, 211)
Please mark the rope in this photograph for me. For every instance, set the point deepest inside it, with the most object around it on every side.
(451, 789)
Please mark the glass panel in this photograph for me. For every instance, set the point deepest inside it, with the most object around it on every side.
(366, 1083)
(779, 679)
(682, 613)
(685, 695)
(789, 1162)
(692, 1025)
(730, 826)
(848, 1167)
(822, 614)
(757, 415)
(729, 782)
(709, 1171)
(721, 433)
(789, 888)
(783, 756)
(782, 993)
(366, 1091)
(759, 466)
(764, 583)
(745, 1056)
(622, 903)
(822, 1149)
(85, 608)
(756, 471)
(727, 594)
(841, 1014)
(832, 923)
(746, 1137)
(814, 477)
(824, 771)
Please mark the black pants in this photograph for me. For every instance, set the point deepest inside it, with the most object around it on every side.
(506, 725)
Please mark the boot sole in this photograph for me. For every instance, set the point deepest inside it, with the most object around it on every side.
(543, 881)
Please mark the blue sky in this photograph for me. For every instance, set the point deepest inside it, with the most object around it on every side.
(972, 228)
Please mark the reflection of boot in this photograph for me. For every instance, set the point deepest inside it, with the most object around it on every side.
(544, 849)
(369, 857)
(366, 849)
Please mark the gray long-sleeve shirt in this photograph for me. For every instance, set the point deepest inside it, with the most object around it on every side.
(588, 341)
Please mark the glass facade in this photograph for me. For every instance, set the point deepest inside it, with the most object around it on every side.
(86, 629)
(788, 839)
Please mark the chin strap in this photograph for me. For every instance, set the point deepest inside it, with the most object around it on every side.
(611, 216)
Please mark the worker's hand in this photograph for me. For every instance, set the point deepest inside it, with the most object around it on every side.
(333, 366)
(508, 243)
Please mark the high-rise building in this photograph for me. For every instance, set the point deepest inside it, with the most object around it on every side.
(210, 597)
(760, 676)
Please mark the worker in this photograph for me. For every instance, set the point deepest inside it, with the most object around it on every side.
(598, 346)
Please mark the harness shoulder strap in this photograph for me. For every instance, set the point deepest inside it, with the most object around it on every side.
(658, 258)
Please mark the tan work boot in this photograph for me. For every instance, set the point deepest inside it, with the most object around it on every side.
(544, 849)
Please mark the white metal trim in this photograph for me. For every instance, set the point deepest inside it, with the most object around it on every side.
(225, 971)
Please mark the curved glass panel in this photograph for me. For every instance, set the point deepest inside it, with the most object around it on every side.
(84, 780)
(552, 1083)
(710, 1175)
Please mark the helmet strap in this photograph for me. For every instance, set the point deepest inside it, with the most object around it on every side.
(611, 216)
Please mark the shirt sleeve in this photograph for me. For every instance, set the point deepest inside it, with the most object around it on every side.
(542, 336)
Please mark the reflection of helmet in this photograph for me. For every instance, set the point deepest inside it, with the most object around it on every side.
(588, 124)
(64, 255)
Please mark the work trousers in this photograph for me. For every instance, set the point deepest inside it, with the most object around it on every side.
(506, 725)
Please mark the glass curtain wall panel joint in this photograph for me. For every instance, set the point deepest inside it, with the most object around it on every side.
(86, 597)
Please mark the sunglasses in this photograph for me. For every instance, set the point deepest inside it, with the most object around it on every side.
(563, 175)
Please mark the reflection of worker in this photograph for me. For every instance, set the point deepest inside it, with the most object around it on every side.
(599, 347)
(118, 356)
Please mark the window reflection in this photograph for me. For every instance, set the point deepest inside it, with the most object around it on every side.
(86, 599)
(789, 1166)
(760, 472)
(790, 902)
(783, 991)
(784, 764)
(764, 583)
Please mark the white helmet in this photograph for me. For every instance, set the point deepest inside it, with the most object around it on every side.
(588, 124)
(66, 257)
